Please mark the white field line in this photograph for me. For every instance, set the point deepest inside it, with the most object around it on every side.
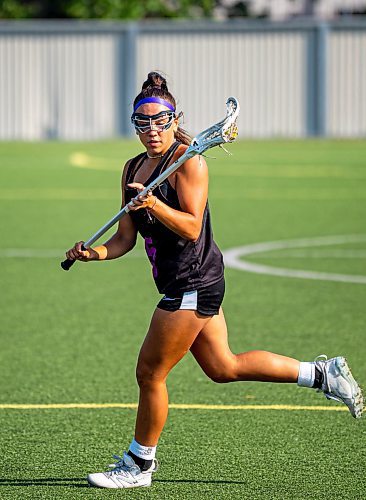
(233, 258)
(295, 194)
(133, 406)
(44, 253)
(59, 194)
(93, 194)
(293, 171)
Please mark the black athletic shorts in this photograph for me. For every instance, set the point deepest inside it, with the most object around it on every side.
(206, 301)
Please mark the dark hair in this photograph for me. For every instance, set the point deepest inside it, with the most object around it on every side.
(156, 86)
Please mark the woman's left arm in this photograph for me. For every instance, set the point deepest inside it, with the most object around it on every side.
(191, 184)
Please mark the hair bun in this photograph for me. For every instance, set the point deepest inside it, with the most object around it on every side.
(155, 80)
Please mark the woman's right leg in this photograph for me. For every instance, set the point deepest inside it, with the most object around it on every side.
(213, 354)
(169, 338)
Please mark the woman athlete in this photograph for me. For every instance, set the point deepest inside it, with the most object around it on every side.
(188, 270)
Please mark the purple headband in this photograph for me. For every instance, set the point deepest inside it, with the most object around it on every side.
(157, 100)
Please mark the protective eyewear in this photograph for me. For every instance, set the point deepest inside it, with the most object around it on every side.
(159, 122)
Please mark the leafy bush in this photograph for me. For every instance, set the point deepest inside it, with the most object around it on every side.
(105, 9)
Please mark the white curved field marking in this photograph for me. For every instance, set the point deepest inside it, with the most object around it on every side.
(233, 258)
(316, 254)
(46, 253)
(82, 160)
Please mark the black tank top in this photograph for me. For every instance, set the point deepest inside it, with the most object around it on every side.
(178, 264)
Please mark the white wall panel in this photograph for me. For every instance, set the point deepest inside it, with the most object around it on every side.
(346, 83)
(265, 71)
(75, 80)
(57, 86)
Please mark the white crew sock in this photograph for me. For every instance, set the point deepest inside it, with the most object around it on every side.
(145, 452)
(306, 376)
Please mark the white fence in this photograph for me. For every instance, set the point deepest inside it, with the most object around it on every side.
(77, 80)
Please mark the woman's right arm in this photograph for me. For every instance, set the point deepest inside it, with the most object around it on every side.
(119, 244)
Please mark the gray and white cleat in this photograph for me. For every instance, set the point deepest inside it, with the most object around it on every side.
(123, 474)
(339, 384)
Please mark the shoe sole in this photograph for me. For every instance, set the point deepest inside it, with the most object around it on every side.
(115, 486)
(355, 404)
(93, 485)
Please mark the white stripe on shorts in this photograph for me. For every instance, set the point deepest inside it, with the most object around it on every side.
(189, 301)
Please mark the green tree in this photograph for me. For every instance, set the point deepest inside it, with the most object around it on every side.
(14, 9)
(106, 9)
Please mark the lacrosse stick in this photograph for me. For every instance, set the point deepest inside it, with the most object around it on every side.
(217, 135)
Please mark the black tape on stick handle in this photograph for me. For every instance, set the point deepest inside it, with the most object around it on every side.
(67, 263)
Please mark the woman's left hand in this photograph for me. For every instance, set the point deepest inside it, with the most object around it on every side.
(147, 201)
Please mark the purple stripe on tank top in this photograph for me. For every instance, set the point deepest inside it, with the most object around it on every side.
(151, 253)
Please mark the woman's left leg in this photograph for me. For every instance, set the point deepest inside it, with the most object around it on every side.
(213, 354)
(333, 376)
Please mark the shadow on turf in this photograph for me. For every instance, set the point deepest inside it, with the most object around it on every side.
(75, 482)
(203, 481)
(200, 481)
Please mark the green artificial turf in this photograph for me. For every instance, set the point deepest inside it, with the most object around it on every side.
(74, 337)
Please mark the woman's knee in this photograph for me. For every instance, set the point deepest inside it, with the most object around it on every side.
(223, 377)
(147, 375)
(222, 371)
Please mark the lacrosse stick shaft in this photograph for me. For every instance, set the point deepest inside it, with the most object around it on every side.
(189, 153)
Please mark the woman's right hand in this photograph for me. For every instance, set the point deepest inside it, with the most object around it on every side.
(76, 253)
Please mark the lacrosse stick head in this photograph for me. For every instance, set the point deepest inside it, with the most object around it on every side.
(224, 131)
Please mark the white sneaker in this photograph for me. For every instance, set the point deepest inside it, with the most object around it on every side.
(123, 474)
(339, 384)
